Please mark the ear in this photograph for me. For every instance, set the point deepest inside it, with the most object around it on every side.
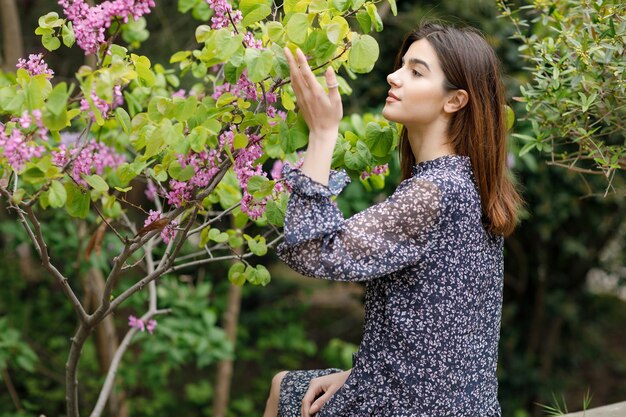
(456, 101)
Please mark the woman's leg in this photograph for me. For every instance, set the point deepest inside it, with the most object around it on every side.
(271, 407)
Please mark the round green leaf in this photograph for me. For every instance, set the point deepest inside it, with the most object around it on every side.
(297, 28)
(363, 54)
(57, 196)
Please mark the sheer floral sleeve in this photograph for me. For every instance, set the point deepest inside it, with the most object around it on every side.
(385, 238)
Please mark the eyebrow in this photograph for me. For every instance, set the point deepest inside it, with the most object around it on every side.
(416, 61)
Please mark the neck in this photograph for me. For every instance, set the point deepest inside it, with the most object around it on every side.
(430, 142)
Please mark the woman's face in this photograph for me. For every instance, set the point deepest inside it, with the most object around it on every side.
(417, 96)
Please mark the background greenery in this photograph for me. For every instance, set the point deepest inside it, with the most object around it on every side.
(558, 336)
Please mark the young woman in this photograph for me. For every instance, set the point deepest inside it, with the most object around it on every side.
(431, 254)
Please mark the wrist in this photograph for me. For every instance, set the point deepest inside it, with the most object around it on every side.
(323, 137)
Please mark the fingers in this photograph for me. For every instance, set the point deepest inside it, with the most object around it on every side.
(313, 391)
(317, 405)
(305, 69)
(294, 72)
(333, 86)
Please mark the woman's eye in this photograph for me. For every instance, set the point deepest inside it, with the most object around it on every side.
(417, 74)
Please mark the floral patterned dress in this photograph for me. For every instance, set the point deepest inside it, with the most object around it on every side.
(433, 295)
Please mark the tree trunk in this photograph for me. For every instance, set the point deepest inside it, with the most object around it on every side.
(13, 45)
(225, 367)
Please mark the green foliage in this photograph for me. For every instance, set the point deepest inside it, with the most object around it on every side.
(575, 98)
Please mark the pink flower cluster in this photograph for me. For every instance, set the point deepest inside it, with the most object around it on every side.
(205, 166)
(19, 145)
(246, 167)
(102, 105)
(168, 232)
(35, 65)
(139, 324)
(377, 170)
(90, 23)
(277, 173)
(93, 158)
(17, 148)
(222, 9)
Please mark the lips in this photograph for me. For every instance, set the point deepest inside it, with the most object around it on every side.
(392, 97)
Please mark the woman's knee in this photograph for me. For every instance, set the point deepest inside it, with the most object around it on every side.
(276, 381)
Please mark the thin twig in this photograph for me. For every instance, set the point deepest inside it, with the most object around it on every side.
(12, 392)
(115, 362)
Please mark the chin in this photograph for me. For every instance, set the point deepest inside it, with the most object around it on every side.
(388, 115)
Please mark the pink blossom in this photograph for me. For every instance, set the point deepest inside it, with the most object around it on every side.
(251, 42)
(244, 89)
(136, 323)
(377, 170)
(25, 120)
(17, 148)
(277, 169)
(35, 65)
(168, 232)
(151, 191)
(152, 324)
(101, 104)
(222, 9)
(90, 23)
(180, 93)
(93, 158)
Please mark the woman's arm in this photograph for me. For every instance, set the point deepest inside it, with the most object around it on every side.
(321, 111)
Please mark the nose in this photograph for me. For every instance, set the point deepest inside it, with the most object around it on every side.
(393, 79)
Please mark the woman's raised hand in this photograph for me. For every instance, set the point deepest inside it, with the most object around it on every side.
(321, 111)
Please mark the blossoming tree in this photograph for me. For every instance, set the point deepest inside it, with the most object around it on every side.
(81, 146)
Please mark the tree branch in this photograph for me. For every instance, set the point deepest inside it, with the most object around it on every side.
(115, 362)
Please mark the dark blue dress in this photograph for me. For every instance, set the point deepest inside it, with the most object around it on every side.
(433, 296)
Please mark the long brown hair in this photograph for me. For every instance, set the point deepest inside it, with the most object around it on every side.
(479, 129)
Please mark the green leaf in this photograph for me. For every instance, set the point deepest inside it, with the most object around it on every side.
(123, 119)
(258, 245)
(96, 182)
(378, 139)
(236, 273)
(78, 201)
(275, 31)
(286, 100)
(297, 28)
(50, 20)
(259, 63)
(341, 5)
(259, 276)
(57, 196)
(357, 158)
(337, 30)
(67, 32)
(363, 54)
(256, 13)
(51, 43)
(364, 20)
(257, 183)
(295, 6)
(204, 33)
(179, 173)
(394, 7)
(55, 115)
(510, 117)
(294, 138)
(185, 5)
(275, 210)
(240, 141)
(372, 11)
(179, 56)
